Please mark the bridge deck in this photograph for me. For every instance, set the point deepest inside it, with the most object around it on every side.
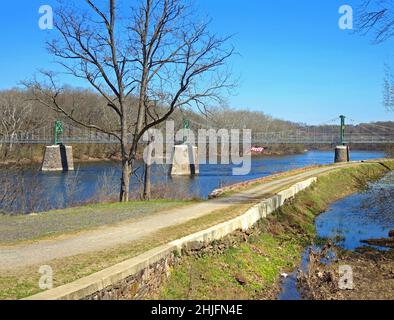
(261, 142)
(77, 135)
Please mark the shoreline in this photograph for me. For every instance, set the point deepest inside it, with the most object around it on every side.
(86, 159)
(27, 162)
(36, 162)
(283, 238)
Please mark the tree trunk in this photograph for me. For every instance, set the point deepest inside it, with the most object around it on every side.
(147, 185)
(125, 182)
(147, 173)
(126, 166)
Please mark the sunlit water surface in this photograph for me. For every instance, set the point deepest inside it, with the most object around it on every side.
(362, 216)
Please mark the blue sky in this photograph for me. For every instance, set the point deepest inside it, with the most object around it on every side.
(294, 62)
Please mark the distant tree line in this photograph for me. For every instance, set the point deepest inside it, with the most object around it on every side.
(20, 113)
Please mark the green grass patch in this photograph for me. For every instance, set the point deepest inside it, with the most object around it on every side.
(283, 237)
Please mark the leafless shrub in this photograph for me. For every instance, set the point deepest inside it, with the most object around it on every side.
(168, 191)
(21, 191)
(7, 194)
(107, 187)
(72, 187)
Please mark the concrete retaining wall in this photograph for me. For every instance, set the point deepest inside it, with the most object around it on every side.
(100, 285)
(245, 221)
(135, 277)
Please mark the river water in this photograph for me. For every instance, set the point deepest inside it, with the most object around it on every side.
(39, 191)
(362, 216)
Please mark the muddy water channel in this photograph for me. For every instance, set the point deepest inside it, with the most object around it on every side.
(362, 216)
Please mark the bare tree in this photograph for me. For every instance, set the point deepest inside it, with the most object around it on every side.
(15, 113)
(388, 88)
(159, 53)
(376, 17)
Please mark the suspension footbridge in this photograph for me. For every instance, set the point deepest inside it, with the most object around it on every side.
(307, 135)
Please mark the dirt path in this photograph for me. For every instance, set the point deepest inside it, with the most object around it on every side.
(106, 237)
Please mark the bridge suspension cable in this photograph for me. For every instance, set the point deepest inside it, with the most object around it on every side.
(300, 135)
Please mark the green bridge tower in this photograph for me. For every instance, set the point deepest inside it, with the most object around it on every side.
(342, 152)
(343, 130)
(58, 130)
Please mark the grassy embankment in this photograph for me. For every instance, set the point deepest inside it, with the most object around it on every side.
(252, 270)
(23, 282)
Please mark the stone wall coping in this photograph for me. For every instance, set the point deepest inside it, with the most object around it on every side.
(98, 281)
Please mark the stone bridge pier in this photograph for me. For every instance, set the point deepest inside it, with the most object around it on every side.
(342, 154)
(58, 158)
(184, 161)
